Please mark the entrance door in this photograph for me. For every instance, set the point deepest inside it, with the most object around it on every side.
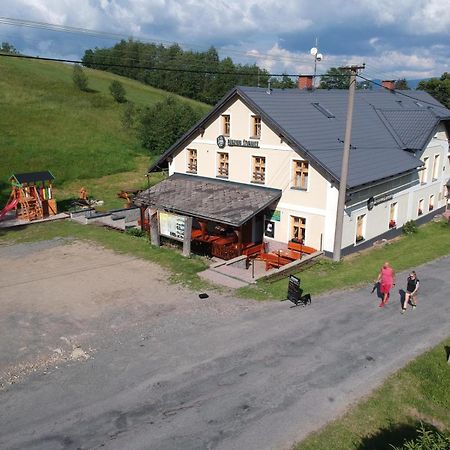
(247, 232)
(258, 229)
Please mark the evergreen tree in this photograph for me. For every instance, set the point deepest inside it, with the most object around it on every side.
(188, 73)
(6, 47)
(118, 91)
(335, 78)
(79, 78)
(284, 83)
(401, 84)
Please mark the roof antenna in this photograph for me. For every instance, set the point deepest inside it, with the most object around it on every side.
(269, 90)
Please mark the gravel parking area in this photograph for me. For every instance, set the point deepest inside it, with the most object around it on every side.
(60, 299)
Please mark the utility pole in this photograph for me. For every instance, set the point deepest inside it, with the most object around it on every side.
(344, 166)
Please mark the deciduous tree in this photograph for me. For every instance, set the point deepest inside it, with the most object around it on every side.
(439, 88)
(162, 124)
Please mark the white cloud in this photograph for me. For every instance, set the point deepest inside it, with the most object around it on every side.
(255, 27)
(389, 64)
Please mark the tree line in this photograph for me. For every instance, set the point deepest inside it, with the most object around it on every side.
(206, 78)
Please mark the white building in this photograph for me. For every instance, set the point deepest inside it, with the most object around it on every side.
(290, 143)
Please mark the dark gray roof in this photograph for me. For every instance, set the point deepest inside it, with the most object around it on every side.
(412, 127)
(32, 177)
(206, 198)
(387, 127)
(376, 152)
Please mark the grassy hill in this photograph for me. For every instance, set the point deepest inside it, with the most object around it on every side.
(47, 124)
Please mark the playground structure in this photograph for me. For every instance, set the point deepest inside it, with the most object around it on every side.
(31, 196)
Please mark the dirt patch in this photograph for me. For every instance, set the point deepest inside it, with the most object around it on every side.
(59, 299)
(427, 419)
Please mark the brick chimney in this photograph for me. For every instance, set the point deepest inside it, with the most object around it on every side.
(305, 82)
(388, 84)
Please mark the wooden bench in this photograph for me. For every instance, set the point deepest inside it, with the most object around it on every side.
(297, 247)
(253, 250)
(274, 260)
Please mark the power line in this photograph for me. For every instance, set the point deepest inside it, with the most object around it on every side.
(127, 66)
(116, 36)
(152, 68)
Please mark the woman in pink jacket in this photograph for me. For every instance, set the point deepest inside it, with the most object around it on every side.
(386, 278)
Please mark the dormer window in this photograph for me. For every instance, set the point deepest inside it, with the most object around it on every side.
(226, 124)
(256, 127)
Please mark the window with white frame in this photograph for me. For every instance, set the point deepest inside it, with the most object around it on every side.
(226, 124)
(431, 203)
(300, 175)
(259, 169)
(360, 228)
(393, 215)
(424, 171)
(420, 207)
(436, 167)
(256, 127)
(192, 160)
(222, 164)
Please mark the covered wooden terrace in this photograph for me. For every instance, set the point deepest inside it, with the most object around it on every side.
(227, 217)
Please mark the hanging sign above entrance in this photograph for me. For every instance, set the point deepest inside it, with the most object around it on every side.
(221, 142)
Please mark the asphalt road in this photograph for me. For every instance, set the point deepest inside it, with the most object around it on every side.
(260, 379)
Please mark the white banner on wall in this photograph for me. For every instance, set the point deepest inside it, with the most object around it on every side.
(172, 226)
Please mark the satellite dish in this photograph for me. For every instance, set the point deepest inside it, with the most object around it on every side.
(313, 51)
(319, 56)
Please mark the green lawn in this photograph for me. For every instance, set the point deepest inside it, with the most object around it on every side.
(417, 394)
(47, 124)
(430, 242)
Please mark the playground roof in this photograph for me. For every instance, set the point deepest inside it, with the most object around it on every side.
(31, 177)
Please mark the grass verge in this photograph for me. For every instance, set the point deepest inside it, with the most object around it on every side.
(48, 124)
(184, 270)
(430, 242)
(418, 393)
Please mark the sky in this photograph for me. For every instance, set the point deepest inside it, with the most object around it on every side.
(395, 39)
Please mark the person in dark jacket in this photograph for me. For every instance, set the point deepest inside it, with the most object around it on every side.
(412, 286)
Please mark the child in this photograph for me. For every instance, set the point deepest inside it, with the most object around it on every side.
(411, 291)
